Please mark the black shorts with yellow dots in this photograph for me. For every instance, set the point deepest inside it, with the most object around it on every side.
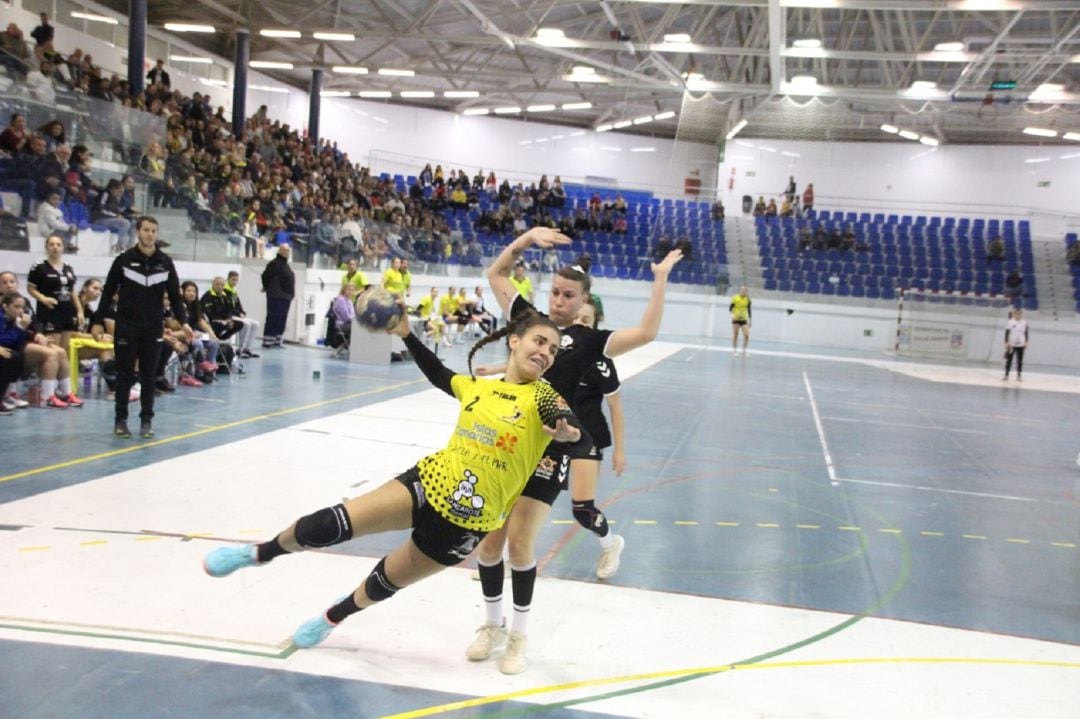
(434, 535)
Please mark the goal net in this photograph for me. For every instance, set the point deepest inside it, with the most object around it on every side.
(952, 325)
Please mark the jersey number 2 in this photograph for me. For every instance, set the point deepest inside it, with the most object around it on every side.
(469, 406)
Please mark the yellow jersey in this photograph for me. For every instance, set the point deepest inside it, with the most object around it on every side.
(523, 286)
(740, 308)
(448, 305)
(496, 445)
(392, 282)
(357, 280)
(425, 306)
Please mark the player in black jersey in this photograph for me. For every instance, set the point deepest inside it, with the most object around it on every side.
(582, 348)
(52, 283)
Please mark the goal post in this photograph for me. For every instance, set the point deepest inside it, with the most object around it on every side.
(954, 325)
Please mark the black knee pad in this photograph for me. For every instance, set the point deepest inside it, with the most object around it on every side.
(589, 516)
(377, 586)
(324, 528)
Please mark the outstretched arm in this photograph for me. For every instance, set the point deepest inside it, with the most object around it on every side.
(631, 338)
(499, 272)
(437, 373)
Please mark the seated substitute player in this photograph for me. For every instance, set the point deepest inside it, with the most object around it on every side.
(451, 498)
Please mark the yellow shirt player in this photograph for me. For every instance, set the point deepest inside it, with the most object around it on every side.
(353, 276)
(521, 282)
(740, 319)
(391, 279)
(426, 309)
(451, 498)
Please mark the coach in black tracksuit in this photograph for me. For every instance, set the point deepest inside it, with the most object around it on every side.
(140, 277)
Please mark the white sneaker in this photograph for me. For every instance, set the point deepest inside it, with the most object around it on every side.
(513, 659)
(488, 638)
(609, 559)
(12, 401)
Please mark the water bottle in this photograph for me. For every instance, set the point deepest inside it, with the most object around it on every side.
(33, 395)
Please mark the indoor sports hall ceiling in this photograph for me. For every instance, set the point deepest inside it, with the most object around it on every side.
(808, 69)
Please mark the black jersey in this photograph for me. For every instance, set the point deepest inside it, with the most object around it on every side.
(580, 349)
(142, 281)
(60, 285)
(601, 381)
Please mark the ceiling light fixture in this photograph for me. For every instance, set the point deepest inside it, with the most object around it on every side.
(507, 110)
(679, 38)
(1074, 136)
(736, 130)
(190, 58)
(539, 108)
(375, 94)
(607, 127)
(1039, 132)
(280, 33)
(187, 27)
(664, 115)
(931, 141)
(811, 43)
(642, 149)
(271, 65)
(216, 83)
(621, 124)
(643, 120)
(950, 47)
(270, 88)
(462, 94)
(334, 36)
(95, 18)
(391, 72)
(416, 94)
(891, 129)
(924, 85)
(349, 70)
(335, 93)
(476, 111)
(550, 36)
(909, 135)
(576, 105)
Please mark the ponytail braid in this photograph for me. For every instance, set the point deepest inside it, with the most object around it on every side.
(496, 335)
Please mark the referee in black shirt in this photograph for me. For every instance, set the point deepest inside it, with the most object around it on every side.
(140, 278)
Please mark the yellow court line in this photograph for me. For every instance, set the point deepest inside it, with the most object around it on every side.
(932, 534)
(1014, 540)
(94, 543)
(149, 538)
(767, 525)
(808, 526)
(973, 536)
(727, 524)
(1067, 545)
(644, 521)
(651, 676)
(563, 521)
(889, 531)
(849, 529)
(200, 432)
(686, 523)
(41, 548)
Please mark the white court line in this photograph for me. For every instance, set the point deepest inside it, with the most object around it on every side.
(985, 495)
(820, 430)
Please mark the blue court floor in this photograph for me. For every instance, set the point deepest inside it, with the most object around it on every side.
(809, 534)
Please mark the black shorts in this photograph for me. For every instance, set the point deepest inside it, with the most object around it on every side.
(548, 479)
(434, 535)
(741, 323)
(57, 319)
(595, 454)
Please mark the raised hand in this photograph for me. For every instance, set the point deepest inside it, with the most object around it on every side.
(663, 268)
(545, 237)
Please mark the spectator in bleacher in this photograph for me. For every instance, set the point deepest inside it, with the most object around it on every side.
(108, 210)
(848, 241)
(74, 67)
(1014, 283)
(44, 32)
(279, 284)
(717, 211)
(808, 198)
(805, 239)
(51, 221)
(14, 138)
(53, 132)
(158, 75)
(619, 227)
(426, 178)
(40, 83)
(205, 344)
(619, 205)
(557, 197)
(790, 189)
(14, 55)
(821, 237)
(459, 200)
(1072, 254)
(759, 207)
(78, 182)
(491, 185)
(770, 209)
(996, 249)
(35, 174)
(505, 192)
(786, 209)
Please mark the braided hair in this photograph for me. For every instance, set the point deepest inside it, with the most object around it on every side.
(518, 326)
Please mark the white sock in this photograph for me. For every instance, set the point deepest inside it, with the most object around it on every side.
(48, 388)
(65, 386)
(607, 542)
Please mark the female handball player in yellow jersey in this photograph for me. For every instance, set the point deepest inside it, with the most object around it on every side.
(451, 499)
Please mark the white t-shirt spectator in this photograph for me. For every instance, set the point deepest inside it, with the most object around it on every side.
(1017, 331)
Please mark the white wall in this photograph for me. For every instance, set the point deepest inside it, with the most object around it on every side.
(957, 180)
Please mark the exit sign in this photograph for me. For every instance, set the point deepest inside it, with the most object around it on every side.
(1003, 85)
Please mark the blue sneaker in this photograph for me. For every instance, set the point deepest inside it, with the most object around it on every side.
(313, 632)
(223, 561)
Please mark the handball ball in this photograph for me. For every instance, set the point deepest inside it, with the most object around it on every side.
(377, 309)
